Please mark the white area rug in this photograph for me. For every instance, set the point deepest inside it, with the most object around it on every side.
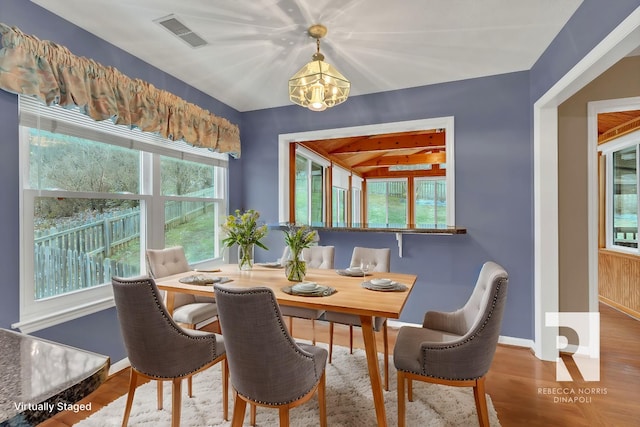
(349, 402)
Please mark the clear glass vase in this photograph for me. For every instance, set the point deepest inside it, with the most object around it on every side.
(295, 269)
(245, 256)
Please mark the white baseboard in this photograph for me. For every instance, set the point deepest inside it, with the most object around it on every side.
(119, 366)
(518, 342)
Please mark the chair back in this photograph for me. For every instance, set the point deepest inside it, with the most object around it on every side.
(266, 365)
(166, 262)
(379, 259)
(486, 304)
(479, 323)
(319, 256)
(156, 345)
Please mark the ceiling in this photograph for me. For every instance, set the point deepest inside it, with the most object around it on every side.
(375, 156)
(255, 46)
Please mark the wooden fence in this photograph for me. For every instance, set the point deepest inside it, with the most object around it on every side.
(79, 256)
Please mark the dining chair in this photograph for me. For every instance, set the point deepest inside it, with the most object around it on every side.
(158, 348)
(190, 310)
(455, 348)
(378, 259)
(315, 257)
(267, 367)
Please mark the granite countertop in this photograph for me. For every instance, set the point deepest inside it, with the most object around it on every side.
(39, 378)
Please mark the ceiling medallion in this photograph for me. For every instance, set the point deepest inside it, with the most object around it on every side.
(318, 85)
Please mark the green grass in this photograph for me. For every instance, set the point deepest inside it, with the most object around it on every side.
(197, 236)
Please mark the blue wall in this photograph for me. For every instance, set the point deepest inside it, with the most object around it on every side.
(493, 187)
(98, 332)
(494, 161)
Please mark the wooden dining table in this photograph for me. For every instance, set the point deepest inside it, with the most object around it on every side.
(350, 297)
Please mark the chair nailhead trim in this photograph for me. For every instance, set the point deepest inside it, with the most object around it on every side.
(163, 310)
(470, 338)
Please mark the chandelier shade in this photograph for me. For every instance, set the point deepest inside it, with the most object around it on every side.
(318, 85)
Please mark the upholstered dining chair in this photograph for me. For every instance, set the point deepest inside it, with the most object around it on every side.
(378, 259)
(158, 348)
(190, 310)
(267, 367)
(315, 257)
(455, 348)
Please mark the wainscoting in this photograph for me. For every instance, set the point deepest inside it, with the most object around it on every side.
(619, 281)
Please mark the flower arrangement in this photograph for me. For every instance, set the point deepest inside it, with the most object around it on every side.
(297, 238)
(244, 229)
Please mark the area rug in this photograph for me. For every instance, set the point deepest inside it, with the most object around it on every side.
(349, 402)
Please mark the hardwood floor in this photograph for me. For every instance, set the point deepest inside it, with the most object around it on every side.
(521, 386)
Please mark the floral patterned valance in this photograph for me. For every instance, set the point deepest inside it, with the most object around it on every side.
(50, 72)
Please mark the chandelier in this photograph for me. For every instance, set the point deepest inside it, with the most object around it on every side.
(318, 85)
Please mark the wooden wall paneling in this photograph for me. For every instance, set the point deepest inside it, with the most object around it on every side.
(619, 280)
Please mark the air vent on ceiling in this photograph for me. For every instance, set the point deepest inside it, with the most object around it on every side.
(173, 24)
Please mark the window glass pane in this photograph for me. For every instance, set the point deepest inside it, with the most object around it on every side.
(81, 243)
(625, 198)
(302, 190)
(317, 194)
(338, 206)
(62, 162)
(309, 198)
(193, 226)
(386, 203)
(431, 202)
(184, 178)
(355, 206)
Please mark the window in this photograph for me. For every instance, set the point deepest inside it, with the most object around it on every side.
(430, 202)
(623, 209)
(387, 202)
(339, 187)
(309, 196)
(426, 151)
(356, 200)
(621, 192)
(94, 196)
(339, 206)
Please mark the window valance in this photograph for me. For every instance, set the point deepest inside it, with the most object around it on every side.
(50, 72)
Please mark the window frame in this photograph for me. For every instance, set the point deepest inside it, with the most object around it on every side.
(36, 314)
(284, 140)
(387, 181)
(312, 158)
(608, 149)
(414, 200)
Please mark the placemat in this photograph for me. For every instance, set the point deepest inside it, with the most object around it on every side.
(352, 273)
(203, 280)
(321, 291)
(398, 287)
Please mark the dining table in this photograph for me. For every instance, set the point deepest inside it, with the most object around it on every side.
(349, 296)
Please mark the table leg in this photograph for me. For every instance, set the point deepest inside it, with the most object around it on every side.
(171, 302)
(374, 372)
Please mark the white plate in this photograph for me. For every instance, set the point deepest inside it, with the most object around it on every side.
(305, 287)
(354, 270)
(380, 282)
